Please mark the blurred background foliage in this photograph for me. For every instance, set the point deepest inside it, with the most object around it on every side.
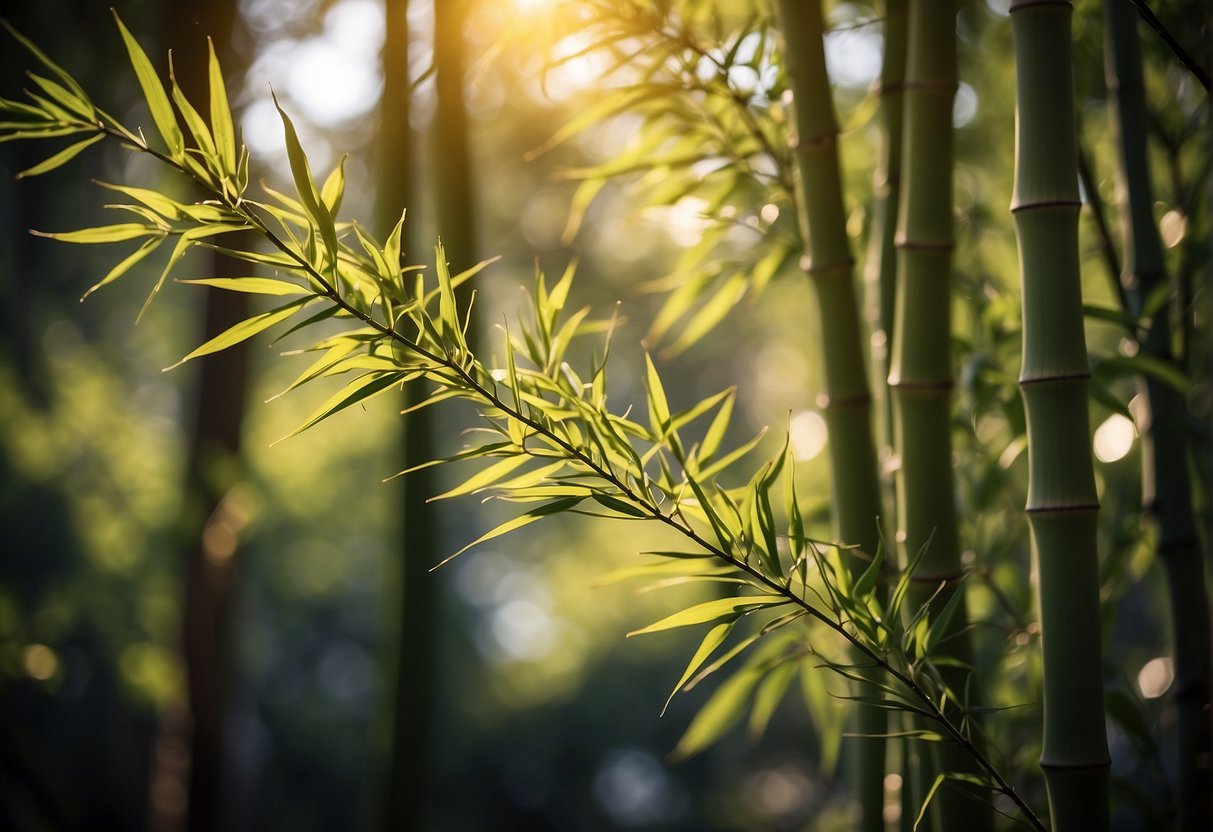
(544, 718)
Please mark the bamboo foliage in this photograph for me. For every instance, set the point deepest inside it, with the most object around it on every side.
(920, 374)
(551, 442)
(1062, 503)
(1166, 484)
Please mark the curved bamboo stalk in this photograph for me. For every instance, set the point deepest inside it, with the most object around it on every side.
(1062, 503)
(1166, 487)
(920, 372)
(846, 401)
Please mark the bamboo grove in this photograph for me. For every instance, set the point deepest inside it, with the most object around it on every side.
(881, 609)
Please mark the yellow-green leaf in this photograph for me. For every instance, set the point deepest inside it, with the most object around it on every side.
(221, 114)
(360, 389)
(103, 233)
(153, 92)
(711, 611)
(554, 507)
(245, 329)
(251, 285)
(714, 638)
(61, 158)
(485, 478)
(125, 265)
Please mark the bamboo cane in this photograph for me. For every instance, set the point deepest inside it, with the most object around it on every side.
(920, 372)
(880, 269)
(846, 400)
(407, 777)
(1062, 503)
(1166, 488)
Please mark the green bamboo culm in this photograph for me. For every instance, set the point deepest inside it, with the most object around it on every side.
(1054, 380)
(846, 401)
(920, 383)
(1166, 487)
(408, 759)
(880, 268)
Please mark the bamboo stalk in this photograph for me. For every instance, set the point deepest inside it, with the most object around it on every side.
(1062, 504)
(880, 269)
(1166, 487)
(407, 778)
(845, 400)
(920, 372)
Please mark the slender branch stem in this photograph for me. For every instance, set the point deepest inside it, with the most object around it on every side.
(903, 677)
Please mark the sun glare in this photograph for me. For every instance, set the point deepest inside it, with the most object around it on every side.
(532, 5)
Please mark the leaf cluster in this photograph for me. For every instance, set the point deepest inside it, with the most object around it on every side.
(552, 443)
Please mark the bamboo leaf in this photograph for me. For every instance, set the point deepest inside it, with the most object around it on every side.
(250, 285)
(485, 478)
(305, 186)
(125, 265)
(103, 233)
(153, 92)
(360, 389)
(334, 188)
(720, 713)
(245, 329)
(711, 611)
(659, 408)
(767, 697)
(63, 74)
(61, 158)
(554, 507)
(221, 113)
(616, 504)
(714, 638)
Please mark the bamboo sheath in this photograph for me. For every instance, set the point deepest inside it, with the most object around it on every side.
(1062, 503)
(1166, 487)
(846, 400)
(920, 376)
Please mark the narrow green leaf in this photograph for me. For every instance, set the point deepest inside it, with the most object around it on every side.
(554, 507)
(711, 611)
(245, 329)
(715, 434)
(305, 186)
(767, 697)
(61, 158)
(483, 479)
(720, 713)
(125, 265)
(63, 74)
(250, 285)
(360, 389)
(621, 506)
(659, 408)
(334, 188)
(103, 233)
(75, 103)
(714, 638)
(221, 113)
(153, 92)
